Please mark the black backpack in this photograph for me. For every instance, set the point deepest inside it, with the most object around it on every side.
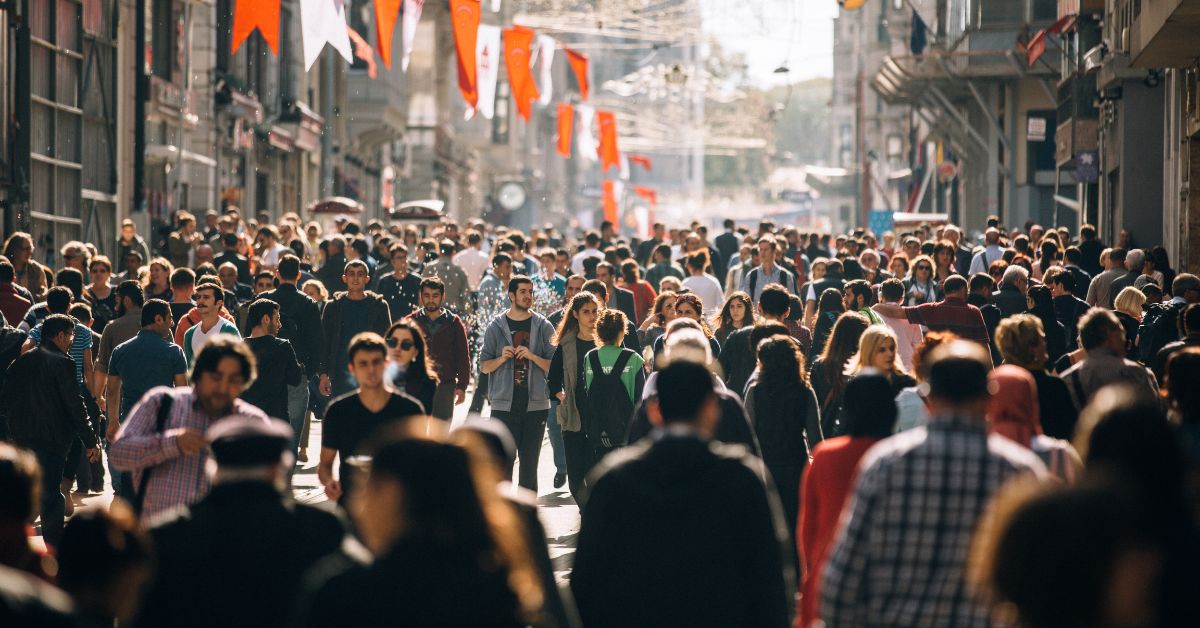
(1160, 325)
(607, 408)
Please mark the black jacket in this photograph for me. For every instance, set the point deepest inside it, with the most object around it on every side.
(236, 558)
(738, 359)
(710, 547)
(239, 261)
(331, 273)
(733, 428)
(624, 301)
(378, 320)
(306, 335)
(1068, 309)
(41, 402)
(1010, 300)
(1058, 413)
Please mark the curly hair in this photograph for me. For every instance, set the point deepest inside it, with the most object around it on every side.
(696, 304)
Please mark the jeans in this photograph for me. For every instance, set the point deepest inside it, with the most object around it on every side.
(556, 439)
(579, 456)
(443, 402)
(53, 504)
(297, 410)
(527, 428)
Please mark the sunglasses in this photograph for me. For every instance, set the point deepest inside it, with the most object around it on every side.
(405, 345)
(922, 268)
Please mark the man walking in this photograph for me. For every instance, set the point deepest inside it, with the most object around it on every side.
(346, 316)
(872, 583)
(1100, 292)
(125, 326)
(446, 342)
(768, 272)
(618, 298)
(44, 412)
(401, 289)
(1102, 338)
(209, 300)
(516, 354)
(952, 314)
(454, 278)
(662, 267)
(299, 324)
(728, 571)
(278, 368)
(163, 443)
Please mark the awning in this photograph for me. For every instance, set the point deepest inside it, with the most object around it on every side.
(1037, 46)
(168, 152)
(336, 205)
(429, 210)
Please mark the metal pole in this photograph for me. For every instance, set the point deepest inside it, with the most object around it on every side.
(21, 112)
(327, 96)
(139, 108)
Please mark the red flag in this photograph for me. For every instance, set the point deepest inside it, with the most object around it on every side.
(465, 16)
(647, 193)
(610, 201)
(579, 65)
(256, 14)
(362, 50)
(386, 12)
(517, 41)
(566, 122)
(609, 155)
(642, 161)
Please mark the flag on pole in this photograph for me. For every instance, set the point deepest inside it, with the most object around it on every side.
(647, 193)
(623, 168)
(609, 154)
(386, 12)
(465, 16)
(410, 17)
(517, 42)
(612, 190)
(586, 144)
(566, 120)
(362, 50)
(323, 22)
(546, 46)
(642, 161)
(579, 66)
(249, 15)
(487, 70)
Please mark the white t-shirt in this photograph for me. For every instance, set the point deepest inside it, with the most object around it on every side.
(577, 261)
(474, 263)
(200, 338)
(709, 290)
(270, 257)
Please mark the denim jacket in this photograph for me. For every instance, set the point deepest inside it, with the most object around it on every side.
(500, 382)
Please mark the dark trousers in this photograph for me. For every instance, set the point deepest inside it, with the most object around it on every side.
(477, 399)
(580, 459)
(443, 401)
(527, 429)
(53, 461)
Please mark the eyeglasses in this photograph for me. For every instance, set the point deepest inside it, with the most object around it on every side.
(405, 345)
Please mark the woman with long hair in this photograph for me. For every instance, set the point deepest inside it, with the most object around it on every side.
(1040, 302)
(100, 293)
(158, 281)
(877, 350)
(688, 305)
(655, 323)
(449, 549)
(738, 312)
(1013, 413)
(943, 261)
(829, 370)
(576, 336)
(1021, 340)
(1162, 264)
(1128, 308)
(920, 286)
(829, 481)
(783, 410)
(1047, 259)
(830, 306)
(31, 275)
(410, 367)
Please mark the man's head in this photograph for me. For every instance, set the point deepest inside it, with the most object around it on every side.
(606, 274)
(574, 285)
(662, 253)
(59, 330)
(1016, 277)
(70, 278)
(7, 273)
(288, 269)
(223, 370)
(20, 485)
(1187, 287)
(596, 287)
(128, 230)
(991, 236)
(129, 296)
(660, 231)
(520, 293)
(958, 379)
(1134, 260)
(891, 291)
(209, 299)
(1060, 282)
(58, 300)
(591, 239)
(774, 302)
(156, 317)
(264, 281)
(766, 250)
(433, 293)
(264, 317)
(183, 282)
(858, 295)
(367, 359)
(955, 286)
(1116, 258)
(502, 265)
(228, 274)
(1100, 329)
(686, 397)
(356, 275)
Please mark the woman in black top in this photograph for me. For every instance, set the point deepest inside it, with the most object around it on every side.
(1022, 342)
(829, 370)
(575, 337)
(1041, 304)
(409, 366)
(738, 312)
(829, 308)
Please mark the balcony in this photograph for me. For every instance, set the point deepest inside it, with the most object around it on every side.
(902, 79)
(1163, 34)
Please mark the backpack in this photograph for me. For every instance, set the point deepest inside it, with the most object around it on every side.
(1160, 325)
(607, 407)
(785, 279)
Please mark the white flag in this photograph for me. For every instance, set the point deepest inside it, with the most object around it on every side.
(488, 57)
(409, 18)
(495, 6)
(623, 168)
(546, 45)
(583, 132)
(323, 22)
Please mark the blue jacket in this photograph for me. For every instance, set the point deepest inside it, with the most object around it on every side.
(500, 382)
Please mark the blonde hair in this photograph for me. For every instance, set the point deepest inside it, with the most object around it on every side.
(1130, 301)
(1016, 336)
(869, 344)
(319, 287)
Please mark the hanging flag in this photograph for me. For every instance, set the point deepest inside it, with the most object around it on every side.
(647, 193)
(465, 16)
(612, 191)
(586, 144)
(546, 46)
(323, 22)
(608, 152)
(487, 70)
(642, 161)
(623, 168)
(566, 120)
(249, 15)
(579, 65)
(409, 18)
(362, 50)
(386, 12)
(517, 41)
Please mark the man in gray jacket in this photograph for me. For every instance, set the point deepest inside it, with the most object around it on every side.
(517, 348)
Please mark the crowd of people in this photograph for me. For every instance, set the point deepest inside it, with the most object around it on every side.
(767, 427)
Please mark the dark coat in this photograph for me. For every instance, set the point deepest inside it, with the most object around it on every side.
(624, 301)
(1068, 309)
(41, 402)
(308, 335)
(236, 558)
(378, 320)
(733, 428)
(727, 245)
(239, 261)
(710, 548)
(1010, 300)
(331, 273)
(1057, 411)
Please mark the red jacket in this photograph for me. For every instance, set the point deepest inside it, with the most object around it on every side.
(827, 487)
(13, 305)
(447, 348)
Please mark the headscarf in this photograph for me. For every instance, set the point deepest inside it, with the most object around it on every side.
(1013, 408)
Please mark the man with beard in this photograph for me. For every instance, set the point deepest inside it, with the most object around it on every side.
(446, 342)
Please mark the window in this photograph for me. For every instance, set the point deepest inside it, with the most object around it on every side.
(224, 34)
(163, 36)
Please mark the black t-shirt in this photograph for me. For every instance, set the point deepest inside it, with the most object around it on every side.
(180, 310)
(348, 425)
(520, 338)
(277, 369)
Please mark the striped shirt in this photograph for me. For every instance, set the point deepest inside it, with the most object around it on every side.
(79, 344)
(177, 480)
(900, 556)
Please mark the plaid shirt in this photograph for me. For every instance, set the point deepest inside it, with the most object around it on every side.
(900, 556)
(177, 480)
(954, 315)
